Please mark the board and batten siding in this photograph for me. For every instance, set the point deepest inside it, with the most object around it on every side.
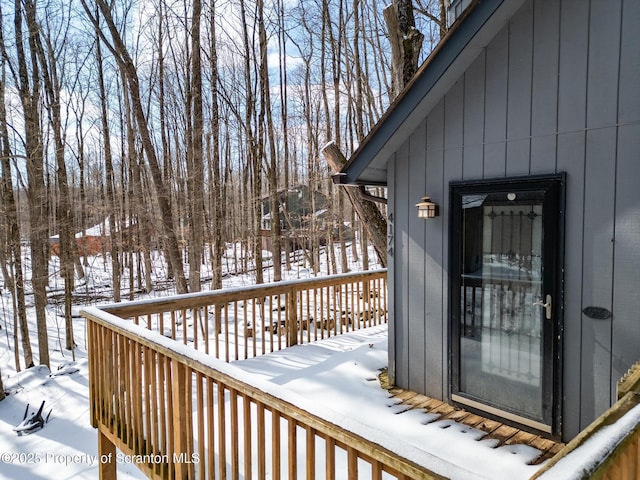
(556, 90)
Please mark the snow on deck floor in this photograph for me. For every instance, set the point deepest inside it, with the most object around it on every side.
(335, 378)
(340, 374)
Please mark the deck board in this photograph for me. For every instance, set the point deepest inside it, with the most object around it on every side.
(500, 433)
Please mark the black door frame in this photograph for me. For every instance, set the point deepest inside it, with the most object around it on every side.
(554, 202)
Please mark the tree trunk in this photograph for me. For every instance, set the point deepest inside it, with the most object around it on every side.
(272, 170)
(369, 214)
(213, 150)
(254, 148)
(52, 87)
(341, 233)
(110, 180)
(195, 153)
(38, 206)
(364, 243)
(15, 280)
(406, 43)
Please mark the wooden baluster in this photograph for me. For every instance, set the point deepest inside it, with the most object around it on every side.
(222, 428)
(275, 444)
(311, 453)
(211, 459)
(330, 458)
(200, 421)
(293, 449)
(172, 399)
(182, 422)
(233, 405)
(196, 321)
(352, 463)
(376, 470)
(163, 409)
(261, 442)
(246, 410)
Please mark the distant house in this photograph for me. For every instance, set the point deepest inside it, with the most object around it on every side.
(299, 208)
(92, 241)
(97, 239)
(521, 300)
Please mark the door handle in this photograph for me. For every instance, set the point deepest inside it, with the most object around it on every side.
(547, 306)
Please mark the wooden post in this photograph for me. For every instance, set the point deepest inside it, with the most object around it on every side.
(182, 428)
(106, 458)
(292, 319)
(93, 343)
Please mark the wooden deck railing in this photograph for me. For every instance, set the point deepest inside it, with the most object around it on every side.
(239, 323)
(179, 413)
(159, 394)
(609, 448)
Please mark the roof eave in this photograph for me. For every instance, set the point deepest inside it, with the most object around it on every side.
(367, 165)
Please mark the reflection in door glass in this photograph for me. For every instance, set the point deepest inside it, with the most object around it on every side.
(501, 331)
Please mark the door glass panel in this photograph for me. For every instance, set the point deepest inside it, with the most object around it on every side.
(501, 348)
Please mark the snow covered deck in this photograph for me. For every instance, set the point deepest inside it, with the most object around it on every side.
(315, 410)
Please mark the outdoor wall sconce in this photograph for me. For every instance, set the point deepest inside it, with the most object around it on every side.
(427, 208)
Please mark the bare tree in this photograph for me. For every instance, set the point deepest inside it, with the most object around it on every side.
(125, 63)
(14, 275)
(254, 166)
(109, 177)
(195, 160)
(29, 86)
(198, 126)
(436, 14)
(48, 56)
(272, 163)
(217, 192)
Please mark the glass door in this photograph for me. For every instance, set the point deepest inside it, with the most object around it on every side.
(505, 245)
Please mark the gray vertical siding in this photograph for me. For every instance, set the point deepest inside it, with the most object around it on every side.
(572, 98)
(435, 263)
(555, 90)
(495, 111)
(626, 271)
(520, 47)
(394, 268)
(597, 270)
(401, 254)
(415, 267)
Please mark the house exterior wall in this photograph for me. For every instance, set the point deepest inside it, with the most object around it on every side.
(556, 90)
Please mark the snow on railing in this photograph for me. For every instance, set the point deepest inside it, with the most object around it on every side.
(609, 448)
(238, 323)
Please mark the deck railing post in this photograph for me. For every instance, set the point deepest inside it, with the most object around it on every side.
(92, 348)
(292, 318)
(106, 458)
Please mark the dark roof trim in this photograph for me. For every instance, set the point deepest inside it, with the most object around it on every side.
(461, 33)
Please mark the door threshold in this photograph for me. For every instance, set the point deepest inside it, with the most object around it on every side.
(543, 427)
